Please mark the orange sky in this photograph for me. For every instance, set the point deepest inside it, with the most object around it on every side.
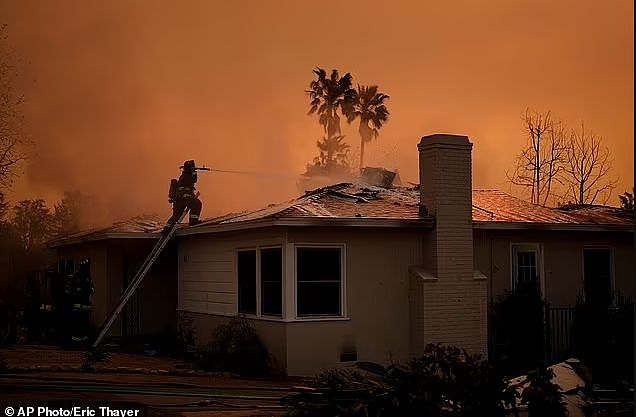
(119, 93)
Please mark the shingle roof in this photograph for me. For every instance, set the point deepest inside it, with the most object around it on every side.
(362, 201)
(348, 200)
(147, 224)
(344, 200)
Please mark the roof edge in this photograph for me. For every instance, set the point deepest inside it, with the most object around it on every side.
(105, 236)
(425, 222)
(576, 227)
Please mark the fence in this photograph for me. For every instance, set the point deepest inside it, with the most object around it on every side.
(559, 329)
(524, 332)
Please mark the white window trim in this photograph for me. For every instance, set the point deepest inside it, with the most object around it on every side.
(259, 314)
(612, 268)
(540, 272)
(343, 282)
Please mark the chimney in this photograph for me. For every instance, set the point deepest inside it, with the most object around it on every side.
(448, 299)
(446, 194)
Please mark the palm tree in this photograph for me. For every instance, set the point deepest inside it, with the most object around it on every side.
(370, 109)
(328, 95)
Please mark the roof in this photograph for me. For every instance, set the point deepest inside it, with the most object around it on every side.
(144, 226)
(361, 204)
(370, 205)
(495, 208)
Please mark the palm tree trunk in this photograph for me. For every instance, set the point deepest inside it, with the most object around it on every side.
(361, 153)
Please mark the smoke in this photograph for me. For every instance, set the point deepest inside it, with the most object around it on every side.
(118, 94)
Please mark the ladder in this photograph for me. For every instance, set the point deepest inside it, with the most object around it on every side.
(134, 284)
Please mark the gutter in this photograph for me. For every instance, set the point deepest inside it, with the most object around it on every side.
(104, 236)
(426, 223)
(574, 227)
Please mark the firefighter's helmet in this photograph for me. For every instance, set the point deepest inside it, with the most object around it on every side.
(189, 165)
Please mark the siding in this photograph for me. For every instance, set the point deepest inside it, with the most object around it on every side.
(562, 260)
(207, 268)
(377, 290)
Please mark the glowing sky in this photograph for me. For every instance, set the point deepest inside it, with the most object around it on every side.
(119, 93)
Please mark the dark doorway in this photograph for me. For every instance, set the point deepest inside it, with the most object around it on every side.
(597, 274)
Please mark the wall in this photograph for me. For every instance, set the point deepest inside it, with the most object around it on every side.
(157, 294)
(376, 324)
(153, 306)
(377, 308)
(207, 281)
(562, 259)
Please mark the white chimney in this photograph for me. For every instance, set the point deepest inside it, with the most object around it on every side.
(448, 299)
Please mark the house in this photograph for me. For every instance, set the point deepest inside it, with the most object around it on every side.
(374, 272)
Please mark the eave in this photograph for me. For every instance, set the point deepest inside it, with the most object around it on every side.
(426, 223)
(104, 236)
(565, 227)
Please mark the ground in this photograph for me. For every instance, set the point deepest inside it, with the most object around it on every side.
(168, 387)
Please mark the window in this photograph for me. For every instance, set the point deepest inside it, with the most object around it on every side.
(271, 281)
(319, 281)
(246, 272)
(525, 268)
(260, 274)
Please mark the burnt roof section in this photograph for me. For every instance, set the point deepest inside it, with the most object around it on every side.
(364, 201)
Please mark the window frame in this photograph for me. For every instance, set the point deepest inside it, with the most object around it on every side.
(259, 303)
(343, 287)
(537, 247)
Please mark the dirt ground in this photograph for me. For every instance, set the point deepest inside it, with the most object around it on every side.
(38, 371)
(53, 360)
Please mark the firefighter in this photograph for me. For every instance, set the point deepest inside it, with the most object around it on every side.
(182, 195)
(82, 305)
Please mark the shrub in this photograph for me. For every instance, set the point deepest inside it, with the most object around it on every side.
(92, 357)
(236, 348)
(446, 381)
(542, 396)
(518, 331)
(603, 338)
(184, 341)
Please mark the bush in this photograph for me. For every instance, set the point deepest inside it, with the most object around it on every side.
(543, 398)
(446, 382)
(603, 338)
(92, 357)
(184, 341)
(236, 348)
(517, 323)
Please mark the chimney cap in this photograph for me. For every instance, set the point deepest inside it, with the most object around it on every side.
(444, 139)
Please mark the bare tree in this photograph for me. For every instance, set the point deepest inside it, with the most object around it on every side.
(587, 171)
(540, 164)
(12, 138)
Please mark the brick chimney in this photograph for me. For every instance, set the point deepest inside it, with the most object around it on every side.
(448, 299)
(446, 194)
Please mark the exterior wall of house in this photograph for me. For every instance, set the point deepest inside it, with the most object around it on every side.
(562, 254)
(159, 287)
(110, 260)
(207, 268)
(375, 323)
